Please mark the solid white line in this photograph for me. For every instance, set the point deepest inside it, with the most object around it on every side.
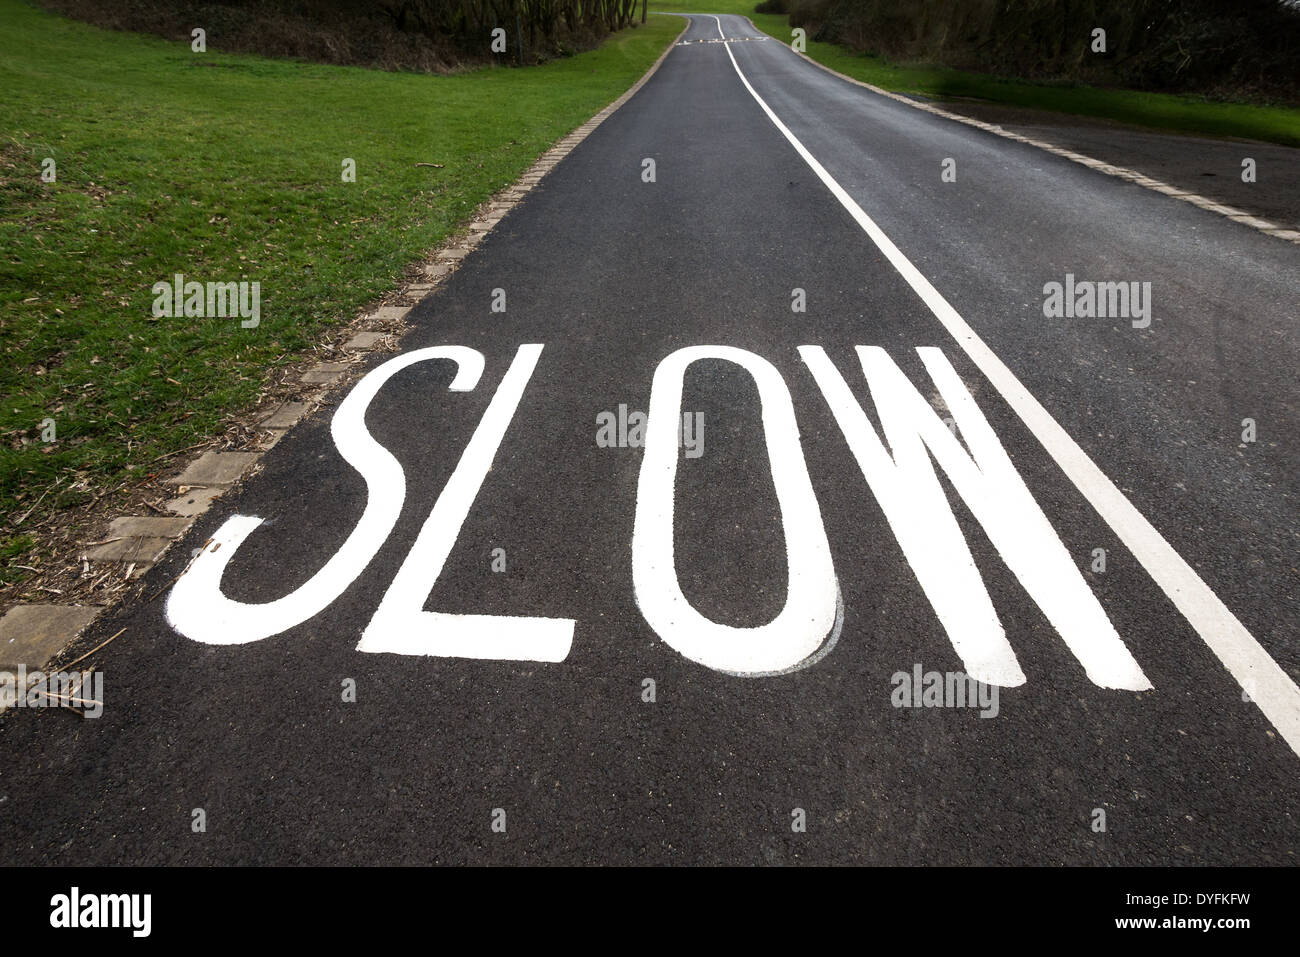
(1258, 674)
(720, 33)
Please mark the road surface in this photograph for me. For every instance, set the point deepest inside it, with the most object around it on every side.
(910, 475)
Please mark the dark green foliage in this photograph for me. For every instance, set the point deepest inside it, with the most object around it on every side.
(1223, 47)
(425, 35)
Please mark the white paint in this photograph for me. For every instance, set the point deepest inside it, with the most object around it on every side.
(809, 613)
(922, 520)
(1273, 690)
(719, 23)
(836, 630)
(400, 626)
(198, 609)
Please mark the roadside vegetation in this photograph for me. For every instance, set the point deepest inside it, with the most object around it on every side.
(431, 36)
(1247, 50)
(224, 168)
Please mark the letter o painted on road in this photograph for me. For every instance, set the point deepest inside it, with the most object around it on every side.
(811, 604)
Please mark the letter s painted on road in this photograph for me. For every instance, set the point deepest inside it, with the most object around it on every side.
(198, 609)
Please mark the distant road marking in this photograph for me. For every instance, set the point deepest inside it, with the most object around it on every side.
(1267, 684)
(687, 43)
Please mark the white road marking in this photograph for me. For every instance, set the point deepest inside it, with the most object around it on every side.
(196, 606)
(719, 23)
(809, 614)
(1269, 686)
(922, 520)
(400, 625)
(836, 630)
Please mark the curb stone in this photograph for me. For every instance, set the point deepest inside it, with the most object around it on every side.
(33, 635)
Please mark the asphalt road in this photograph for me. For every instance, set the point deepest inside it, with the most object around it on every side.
(1120, 705)
(1209, 167)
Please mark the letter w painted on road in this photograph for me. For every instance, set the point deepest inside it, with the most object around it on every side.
(921, 518)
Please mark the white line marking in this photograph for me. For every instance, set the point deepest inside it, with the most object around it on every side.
(719, 22)
(1269, 686)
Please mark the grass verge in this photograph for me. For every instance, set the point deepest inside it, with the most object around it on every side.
(224, 168)
(1184, 114)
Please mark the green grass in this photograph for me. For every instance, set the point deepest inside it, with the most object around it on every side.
(1185, 114)
(224, 168)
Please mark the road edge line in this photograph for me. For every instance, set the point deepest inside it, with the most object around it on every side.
(1262, 679)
